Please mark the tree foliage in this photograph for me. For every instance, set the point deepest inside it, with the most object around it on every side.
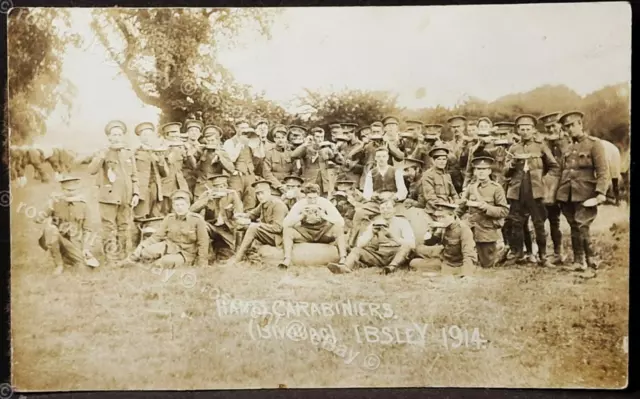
(356, 106)
(169, 57)
(37, 40)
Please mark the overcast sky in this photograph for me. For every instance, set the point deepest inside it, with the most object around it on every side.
(448, 52)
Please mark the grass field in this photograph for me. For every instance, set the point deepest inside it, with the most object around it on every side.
(140, 328)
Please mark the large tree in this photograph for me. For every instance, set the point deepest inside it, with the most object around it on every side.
(37, 41)
(169, 56)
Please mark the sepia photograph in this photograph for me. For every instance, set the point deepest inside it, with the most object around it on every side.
(318, 197)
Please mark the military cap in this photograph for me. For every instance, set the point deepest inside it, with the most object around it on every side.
(341, 137)
(345, 181)
(114, 124)
(485, 119)
(317, 129)
(279, 128)
(548, 119)
(292, 178)
(326, 144)
(482, 161)
(193, 123)
(349, 125)
(456, 117)
(504, 125)
(433, 126)
(408, 135)
(184, 194)
(363, 128)
(439, 151)
(259, 121)
(412, 163)
(171, 127)
(300, 129)
(377, 124)
(241, 121)
(211, 130)
(472, 122)
(389, 120)
(570, 117)
(526, 119)
(261, 185)
(376, 136)
(249, 131)
(143, 126)
(218, 178)
(335, 125)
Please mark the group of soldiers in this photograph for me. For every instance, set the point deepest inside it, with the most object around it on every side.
(194, 197)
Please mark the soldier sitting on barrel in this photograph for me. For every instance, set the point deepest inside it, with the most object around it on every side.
(387, 242)
(313, 219)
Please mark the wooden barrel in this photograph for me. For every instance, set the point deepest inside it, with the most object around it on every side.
(304, 254)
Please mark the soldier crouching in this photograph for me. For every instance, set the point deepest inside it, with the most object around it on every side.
(387, 242)
(181, 239)
(66, 237)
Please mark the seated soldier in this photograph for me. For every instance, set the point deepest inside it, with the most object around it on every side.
(487, 207)
(313, 219)
(220, 204)
(271, 211)
(458, 255)
(181, 239)
(387, 242)
(437, 185)
(292, 193)
(66, 236)
(382, 182)
(413, 180)
(346, 198)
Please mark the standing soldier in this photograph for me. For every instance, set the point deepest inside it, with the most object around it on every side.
(181, 239)
(391, 129)
(484, 144)
(457, 127)
(309, 154)
(220, 205)
(525, 191)
(487, 207)
(349, 130)
(335, 129)
(151, 168)
(559, 144)
(213, 159)
(437, 185)
(66, 236)
(278, 162)
(330, 161)
(119, 191)
(193, 128)
(351, 168)
(173, 159)
(261, 125)
(240, 152)
(584, 160)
